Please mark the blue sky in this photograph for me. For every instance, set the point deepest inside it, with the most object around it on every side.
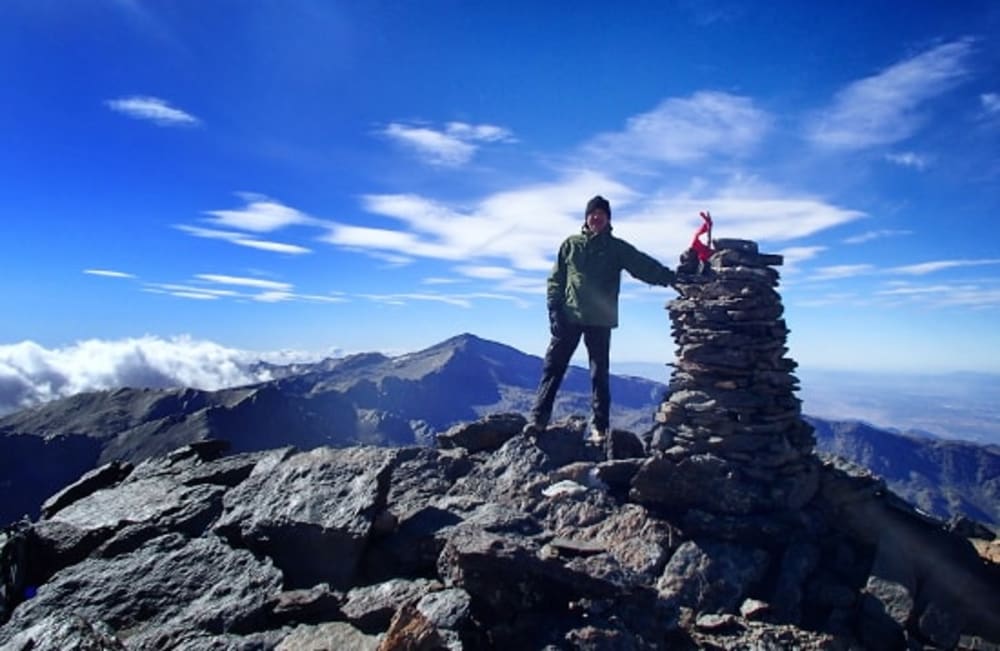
(337, 177)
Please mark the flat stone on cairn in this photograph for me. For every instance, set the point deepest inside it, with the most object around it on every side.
(731, 414)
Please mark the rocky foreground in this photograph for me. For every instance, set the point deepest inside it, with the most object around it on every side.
(492, 540)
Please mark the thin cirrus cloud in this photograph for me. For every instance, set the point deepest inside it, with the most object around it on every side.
(504, 229)
(152, 109)
(924, 268)
(870, 236)
(501, 227)
(458, 300)
(909, 159)
(836, 272)
(453, 146)
(990, 103)
(242, 226)
(684, 130)
(241, 239)
(210, 287)
(969, 295)
(108, 273)
(240, 281)
(890, 106)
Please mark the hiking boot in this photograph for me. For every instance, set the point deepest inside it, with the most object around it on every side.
(598, 436)
(533, 430)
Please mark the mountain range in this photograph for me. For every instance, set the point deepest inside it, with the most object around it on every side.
(371, 398)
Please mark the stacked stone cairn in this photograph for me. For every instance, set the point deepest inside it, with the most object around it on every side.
(731, 409)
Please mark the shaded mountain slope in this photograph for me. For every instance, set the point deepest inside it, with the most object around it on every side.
(941, 477)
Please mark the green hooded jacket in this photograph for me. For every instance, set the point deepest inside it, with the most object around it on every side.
(586, 278)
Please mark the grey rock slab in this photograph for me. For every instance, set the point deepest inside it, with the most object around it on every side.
(181, 639)
(507, 575)
(487, 434)
(157, 499)
(308, 606)
(65, 631)
(514, 474)
(312, 514)
(450, 608)
(422, 475)
(55, 545)
(761, 636)
(118, 520)
(170, 582)
(711, 577)
(370, 608)
(331, 636)
(701, 481)
(103, 477)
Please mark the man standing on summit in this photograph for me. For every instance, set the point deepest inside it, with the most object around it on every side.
(582, 299)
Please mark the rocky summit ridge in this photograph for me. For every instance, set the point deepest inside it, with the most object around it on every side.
(722, 530)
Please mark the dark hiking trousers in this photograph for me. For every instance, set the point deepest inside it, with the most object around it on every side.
(561, 349)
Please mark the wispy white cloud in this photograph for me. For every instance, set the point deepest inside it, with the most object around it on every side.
(839, 271)
(239, 281)
(990, 104)
(909, 159)
(685, 130)
(911, 290)
(242, 240)
(404, 298)
(869, 236)
(485, 272)
(108, 273)
(452, 147)
(463, 300)
(479, 132)
(336, 297)
(273, 296)
(832, 298)
(503, 226)
(939, 265)
(260, 215)
(521, 229)
(152, 109)
(437, 280)
(188, 290)
(270, 291)
(743, 208)
(971, 295)
(889, 107)
(275, 247)
(198, 296)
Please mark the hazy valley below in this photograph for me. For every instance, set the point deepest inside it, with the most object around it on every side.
(960, 406)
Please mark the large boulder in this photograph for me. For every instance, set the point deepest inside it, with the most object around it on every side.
(312, 514)
(169, 582)
(711, 577)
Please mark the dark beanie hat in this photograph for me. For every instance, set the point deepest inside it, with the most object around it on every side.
(596, 203)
